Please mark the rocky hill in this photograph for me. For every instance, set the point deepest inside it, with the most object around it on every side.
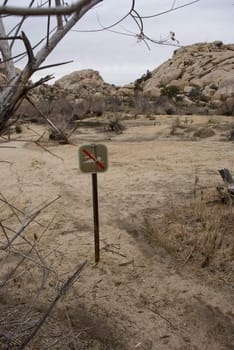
(200, 74)
(198, 79)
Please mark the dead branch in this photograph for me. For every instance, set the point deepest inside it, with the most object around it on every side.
(7, 146)
(54, 127)
(54, 65)
(69, 324)
(67, 285)
(10, 206)
(227, 191)
(189, 255)
(28, 47)
(19, 25)
(46, 149)
(59, 18)
(27, 256)
(163, 318)
(111, 249)
(37, 83)
(4, 200)
(50, 11)
(5, 161)
(4, 231)
(28, 222)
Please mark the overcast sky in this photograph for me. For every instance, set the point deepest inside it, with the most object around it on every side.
(121, 59)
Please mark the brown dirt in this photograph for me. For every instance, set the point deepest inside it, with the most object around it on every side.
(165, 278)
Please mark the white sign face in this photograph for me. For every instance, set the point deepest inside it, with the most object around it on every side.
(93, 158)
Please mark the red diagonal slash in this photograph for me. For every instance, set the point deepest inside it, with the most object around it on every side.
(94, 159)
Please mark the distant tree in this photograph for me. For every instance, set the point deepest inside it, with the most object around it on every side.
(142, 79)
(63, 16)
(170, 91)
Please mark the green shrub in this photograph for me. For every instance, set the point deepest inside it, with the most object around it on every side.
(143, 78)
(170, 91)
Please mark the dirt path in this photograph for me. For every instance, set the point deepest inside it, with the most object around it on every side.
(139, 296)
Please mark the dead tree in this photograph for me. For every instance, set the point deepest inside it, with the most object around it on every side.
(19, 85)
(67, 16)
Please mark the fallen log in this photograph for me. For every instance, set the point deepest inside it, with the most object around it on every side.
(227, 191)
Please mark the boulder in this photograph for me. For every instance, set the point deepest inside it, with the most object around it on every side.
(83, 79)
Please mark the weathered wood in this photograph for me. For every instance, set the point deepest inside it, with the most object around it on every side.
(226, 191)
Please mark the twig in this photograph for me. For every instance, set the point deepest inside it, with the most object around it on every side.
(108, 246)
(45, 149)
(17, 209)
(5, 161)
(12, 272)
(28, 222)
(114, 252)
(127, 263)
(26, 256)
(61, 293)
(70, 326)
(164, 318)
(4, 231)
(10, 206)
(189, 255)
(35, 132)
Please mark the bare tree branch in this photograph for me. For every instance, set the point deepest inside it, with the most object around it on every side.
(170, 10)
(28, 47)
(59, 18)
(19, 25)
(28, 222)
(64, 137)
(51, 11)
(67, 285)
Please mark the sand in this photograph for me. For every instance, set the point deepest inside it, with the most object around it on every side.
(142, 294)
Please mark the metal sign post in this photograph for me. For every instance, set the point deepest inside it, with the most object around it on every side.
(93, 159)
(96, 217)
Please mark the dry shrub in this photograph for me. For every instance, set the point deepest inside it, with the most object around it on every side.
(198, 232)
(204, 133)
(116, 125)
(30, 284)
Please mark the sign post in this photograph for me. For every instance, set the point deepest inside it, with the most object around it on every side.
(96, 217)
(93, 159)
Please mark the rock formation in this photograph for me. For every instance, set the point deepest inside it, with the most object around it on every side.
(197, 79)
(202, 73)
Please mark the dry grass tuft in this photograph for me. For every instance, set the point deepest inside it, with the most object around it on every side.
(197, 232)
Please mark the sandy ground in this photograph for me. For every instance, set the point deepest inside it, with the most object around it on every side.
(139, 296)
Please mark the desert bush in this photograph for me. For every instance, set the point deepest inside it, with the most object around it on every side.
(176, 124)
(116, 125)
(196, 95)
(204, 132)
(115, 104)
(170, 91)
(162, 105)
(30, 285)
